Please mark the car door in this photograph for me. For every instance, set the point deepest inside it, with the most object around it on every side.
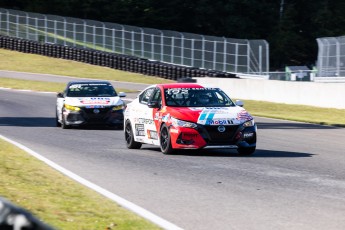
(143, 126)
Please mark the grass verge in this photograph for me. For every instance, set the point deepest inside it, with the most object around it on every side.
(22, 62)
(41, 85)
(59, 201)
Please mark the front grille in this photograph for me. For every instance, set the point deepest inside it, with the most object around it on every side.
(213, 136)
(89, 114)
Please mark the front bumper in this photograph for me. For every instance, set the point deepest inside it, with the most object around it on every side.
(207, 136)
(94, 116)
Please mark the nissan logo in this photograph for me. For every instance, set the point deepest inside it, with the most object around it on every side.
(221, 129)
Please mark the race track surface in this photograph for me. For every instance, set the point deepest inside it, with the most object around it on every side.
(295, 180)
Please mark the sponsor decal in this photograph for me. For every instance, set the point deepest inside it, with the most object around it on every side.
(244, 115)
(143, 121)
(95, 100)
(152, 134)
(165, 118)
(173, 130)
(94, 106)
(207, 115)
(218, 122)
(139, 130)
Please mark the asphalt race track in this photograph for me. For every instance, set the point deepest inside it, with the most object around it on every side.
(295, 180)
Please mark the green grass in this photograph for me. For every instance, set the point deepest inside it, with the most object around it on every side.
(16, 61)
(41, 85)
(59, 201)
(302, 113)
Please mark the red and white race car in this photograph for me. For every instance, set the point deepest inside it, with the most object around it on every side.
(188, 116)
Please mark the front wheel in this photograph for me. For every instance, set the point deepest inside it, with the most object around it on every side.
(63, 123)
(165, 140)
(130, 142)
(246, 151)
(57, 120)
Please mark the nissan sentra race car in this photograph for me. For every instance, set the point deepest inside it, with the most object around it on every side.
(188, 116)
(89, 102)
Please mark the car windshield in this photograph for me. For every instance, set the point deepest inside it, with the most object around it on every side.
(197, 97)
(91, 90)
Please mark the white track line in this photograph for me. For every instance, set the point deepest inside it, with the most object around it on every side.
(124, 203)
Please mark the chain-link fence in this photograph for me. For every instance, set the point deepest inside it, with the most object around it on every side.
(331, 58)
(186, 49)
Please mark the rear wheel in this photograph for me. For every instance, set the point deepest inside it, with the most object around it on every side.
(130, 142)
(246, 151)
(165, 140)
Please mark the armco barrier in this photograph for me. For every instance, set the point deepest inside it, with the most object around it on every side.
(106, 59)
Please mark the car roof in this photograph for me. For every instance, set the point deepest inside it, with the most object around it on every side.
(88, 82)
(180, 85)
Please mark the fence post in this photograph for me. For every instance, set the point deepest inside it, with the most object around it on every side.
(55, 32)
(236, 57)
(8, 23)
(172, 49)
(17, 25)
(152, 47)
(248, 57)
(142, 42)
(224, 54)
(260, 59)
(132, 43)
(104, 36)
(214, 54)
(84, 35)
(123, 40)
(45, 29)
(113, 46)
(182, 49)
(64, 31)
(94, 37)
(162, 46)
(192, 50)
(203, 52)
(74, 34)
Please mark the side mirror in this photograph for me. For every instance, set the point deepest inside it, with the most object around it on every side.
(59, 95)
(153, 104)
(122, 94)
(239, 103)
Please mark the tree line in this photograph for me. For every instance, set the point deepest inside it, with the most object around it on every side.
(289, 26)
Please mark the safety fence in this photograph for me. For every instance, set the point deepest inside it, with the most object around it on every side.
(111, 60)
(331, 58)
(181, 49)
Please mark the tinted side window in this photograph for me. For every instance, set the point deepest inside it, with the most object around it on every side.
(145, 96)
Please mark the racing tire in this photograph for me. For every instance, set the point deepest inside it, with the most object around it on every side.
(165, 140)
(246, 151)
(58, 124)
(63, 123)
(129, 137)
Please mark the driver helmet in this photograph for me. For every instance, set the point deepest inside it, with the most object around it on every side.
(203, 98)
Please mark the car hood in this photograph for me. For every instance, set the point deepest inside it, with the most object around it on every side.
(93, 101)
(211, 115)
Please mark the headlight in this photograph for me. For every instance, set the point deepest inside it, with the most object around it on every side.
(178, 123)
(249, 123)
(71, 108)
(118, 107)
